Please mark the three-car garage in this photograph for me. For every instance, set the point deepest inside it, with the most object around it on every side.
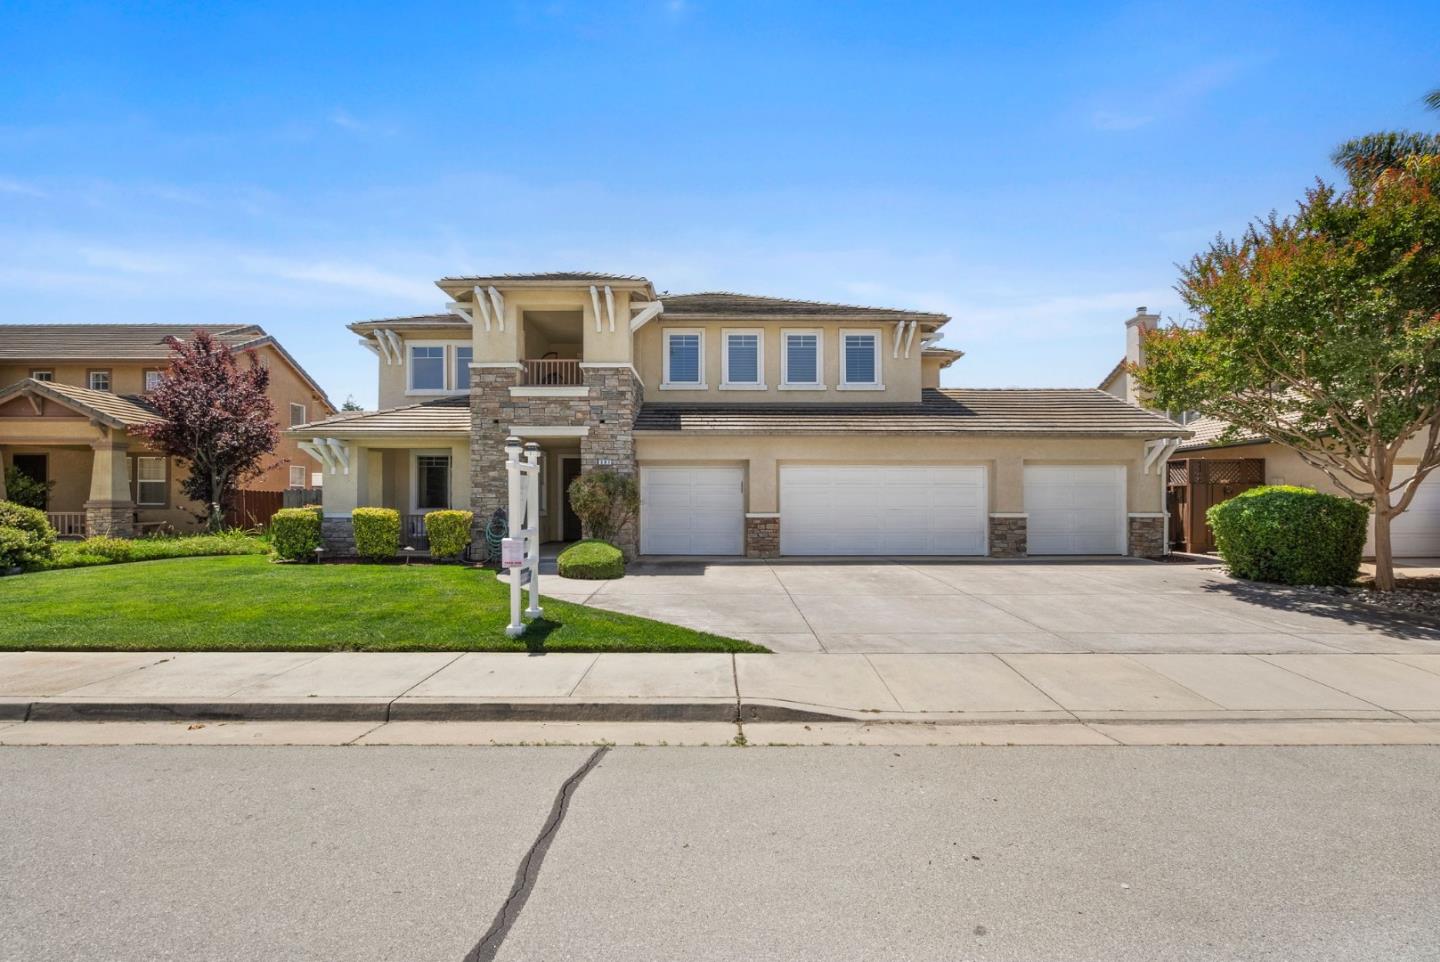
(880, 510)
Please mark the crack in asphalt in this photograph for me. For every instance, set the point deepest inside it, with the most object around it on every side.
(529, 872)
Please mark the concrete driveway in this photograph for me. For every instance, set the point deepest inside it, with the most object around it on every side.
(901, 605)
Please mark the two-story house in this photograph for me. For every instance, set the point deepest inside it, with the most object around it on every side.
(71, 395)
(756, 426)
(1216, 463)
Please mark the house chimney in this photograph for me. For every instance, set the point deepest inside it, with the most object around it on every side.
(1135, 330)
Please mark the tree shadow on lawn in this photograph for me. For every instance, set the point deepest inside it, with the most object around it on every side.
(1323, 603)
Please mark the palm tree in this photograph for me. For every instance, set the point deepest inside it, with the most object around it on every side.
(1365, 158)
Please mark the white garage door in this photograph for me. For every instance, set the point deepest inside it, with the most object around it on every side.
(692, 511)
(1075, 509)
(873, 510)
(1416, 533)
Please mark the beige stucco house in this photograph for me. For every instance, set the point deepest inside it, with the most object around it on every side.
(1216, 463)
(71, 396)
(756, 426)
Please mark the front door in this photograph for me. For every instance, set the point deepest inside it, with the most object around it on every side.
(569, 520)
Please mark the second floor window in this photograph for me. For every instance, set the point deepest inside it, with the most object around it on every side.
(297, 416)
(153, 379)
(744, 358)
(861, 359)
(461, 379)
(43, 375)
(427, 368)
(801, 359)
(98, 380)
(684, 359)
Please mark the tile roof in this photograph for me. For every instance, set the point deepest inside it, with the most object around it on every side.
(444, 415)
(104, 342)
(728, 304)
(1210, 433)
(997, 411)
(418, 321)
(577, 276)
(116, 410)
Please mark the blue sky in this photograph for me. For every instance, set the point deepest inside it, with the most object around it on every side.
(1034, 170)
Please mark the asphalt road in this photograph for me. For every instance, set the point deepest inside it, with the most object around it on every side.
(828, 854)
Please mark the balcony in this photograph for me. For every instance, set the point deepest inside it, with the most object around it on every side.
(552, 372)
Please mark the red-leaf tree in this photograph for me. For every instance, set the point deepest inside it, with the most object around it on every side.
(219, 421)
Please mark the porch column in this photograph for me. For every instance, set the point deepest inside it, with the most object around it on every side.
(3, 495)
(109, 511)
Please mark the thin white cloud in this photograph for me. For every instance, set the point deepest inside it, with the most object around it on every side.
(1131, 112)
(9, 186)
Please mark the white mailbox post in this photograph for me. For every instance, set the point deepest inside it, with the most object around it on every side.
(520, 553)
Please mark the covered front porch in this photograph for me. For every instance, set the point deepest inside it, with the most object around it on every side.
(95, 478)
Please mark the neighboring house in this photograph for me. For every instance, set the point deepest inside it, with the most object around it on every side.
(1217, 463)
(756, 426)
(71, 394)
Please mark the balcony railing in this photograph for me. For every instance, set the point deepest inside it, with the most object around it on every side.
(67, 524)
(553, 372)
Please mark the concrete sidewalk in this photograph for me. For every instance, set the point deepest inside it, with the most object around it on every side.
(944, 688)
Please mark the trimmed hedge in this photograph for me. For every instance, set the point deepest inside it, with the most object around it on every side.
(377, 532)
(31, 520)
(1290, 535)
(26, 537)
(449, 532)
(591, 561)
(105, 551)
(295, 533)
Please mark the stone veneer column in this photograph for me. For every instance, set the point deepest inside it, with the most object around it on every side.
(1008, 535)
(610, 443)
(109, 511)
(762, 535)
(491, 414)
(1147, 535)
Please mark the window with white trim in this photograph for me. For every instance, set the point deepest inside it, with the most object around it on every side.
(432, 482)
(43, 375)
(153, 379)
(744, 360)
(801, 359)
(460, 377)
(150, 481)
(297, 416)
(684, 359)
(98, 380)
(427, 367)
(860, 359)
(297, 475)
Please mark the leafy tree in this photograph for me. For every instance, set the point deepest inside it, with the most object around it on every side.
(1321, 332)
(1366, 158)
(218, 420)
(23, 489)
(605, 502)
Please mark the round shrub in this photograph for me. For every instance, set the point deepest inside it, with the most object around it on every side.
(19, 548)
(605, 501)
(1290, 535)
(295, 533)
(449, 532)
(31, 520)
(591, 561)
(377, 532)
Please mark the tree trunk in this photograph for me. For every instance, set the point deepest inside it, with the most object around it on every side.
(1384, 564)
(216, 512)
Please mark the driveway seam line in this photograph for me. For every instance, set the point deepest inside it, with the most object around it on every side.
(369, 731)
(270, 677)
(117, 674)
(1043, 693)
(528, 873)
(1130, 657)
(1391, 656)
(984, 601)
(791, 598)
(586, 674)
(1351, 694)
(898, 703)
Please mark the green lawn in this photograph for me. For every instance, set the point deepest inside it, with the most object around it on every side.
(249, 604)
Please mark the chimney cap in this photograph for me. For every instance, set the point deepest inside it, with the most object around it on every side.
(1142, 309)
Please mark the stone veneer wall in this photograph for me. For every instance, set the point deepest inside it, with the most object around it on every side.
(114, 519)
(608, 411)
(1147, 537)
(762, 537)
(1008, 537)
(337, 536)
